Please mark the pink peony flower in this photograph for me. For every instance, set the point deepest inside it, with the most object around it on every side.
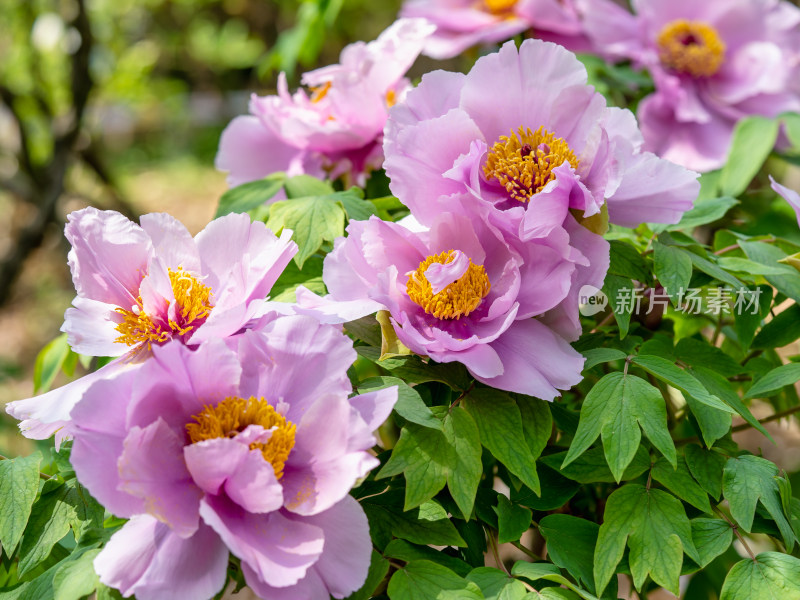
(524, 134)
(336, 129)
(233, 447)
(463, 292)
(461, 24)
(712, 62)
(792, 197)
(143, 286)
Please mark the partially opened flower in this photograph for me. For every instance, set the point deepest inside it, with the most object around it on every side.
(712, 62)
(334, 130)
(461, 24)
(141, 286)
(233, 447)
(523, 133)
(460, 292)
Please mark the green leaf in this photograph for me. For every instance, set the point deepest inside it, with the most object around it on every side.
(312, 219)
(302, 186)
(771, 576)
(596, 356)
(791, 124)
(705, 210)
(612, 409)
(501, 430)
(409, 403)
(706, 467)
(570, 545)
(426, 580)
(746, 481)
(512, 520)
(428, 524)
(355, 206)
(699, 353)
(680, 379)
(378, 568)
(248, 196)
(548, 572)
(680, 482)
(612, 287)
(788, 283)
(654, 526)
(774, 381)
(753, 140)
(592, 466)
(309, 276)
(20, 483)
(714, 424)
(49, 362)
(673, 268)
(407, 552)
(60, 506)
(626, 262)
(464, 472)
(76, 578)
(413, 370)
(423, 456)
(556, 489)
(711, 268)
(711, 537)
(749, 318)
(743, 265)
(537, 422)
(49, 522)
(781, 330)
(496, 585)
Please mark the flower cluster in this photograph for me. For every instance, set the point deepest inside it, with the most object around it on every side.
(508, 192)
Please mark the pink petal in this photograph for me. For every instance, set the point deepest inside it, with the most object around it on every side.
(147, 559)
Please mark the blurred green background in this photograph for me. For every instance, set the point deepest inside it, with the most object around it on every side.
(120, 104)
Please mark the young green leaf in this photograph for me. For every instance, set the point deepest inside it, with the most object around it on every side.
(20, 482)
(423, 580)
(248, 196)
(770, 575)
(512, 519)
(747, 480)
(502, 432)
(753, 140)
(774, 381)
(711, 538)
(654, 526)
(496, 585)
(570, 545)
(612, 409)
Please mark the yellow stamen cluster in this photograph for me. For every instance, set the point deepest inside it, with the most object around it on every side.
(193, 303)
(523, 162)
(320, 91)
(456, 300)
(391, 98)
(231, 416)
(691, 47)
(497, 7)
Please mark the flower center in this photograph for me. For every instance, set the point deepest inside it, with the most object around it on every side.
(499, 6)
(691, 47)
(523, 162)
(469, 285)
(320, 91)
(233, 415)
(192, 306)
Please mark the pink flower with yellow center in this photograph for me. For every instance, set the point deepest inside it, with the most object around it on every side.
(461, 24)
(712, 62)
(233, 448)
(336, 129)
(142, 286)
(523, 134)
(461, 291)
